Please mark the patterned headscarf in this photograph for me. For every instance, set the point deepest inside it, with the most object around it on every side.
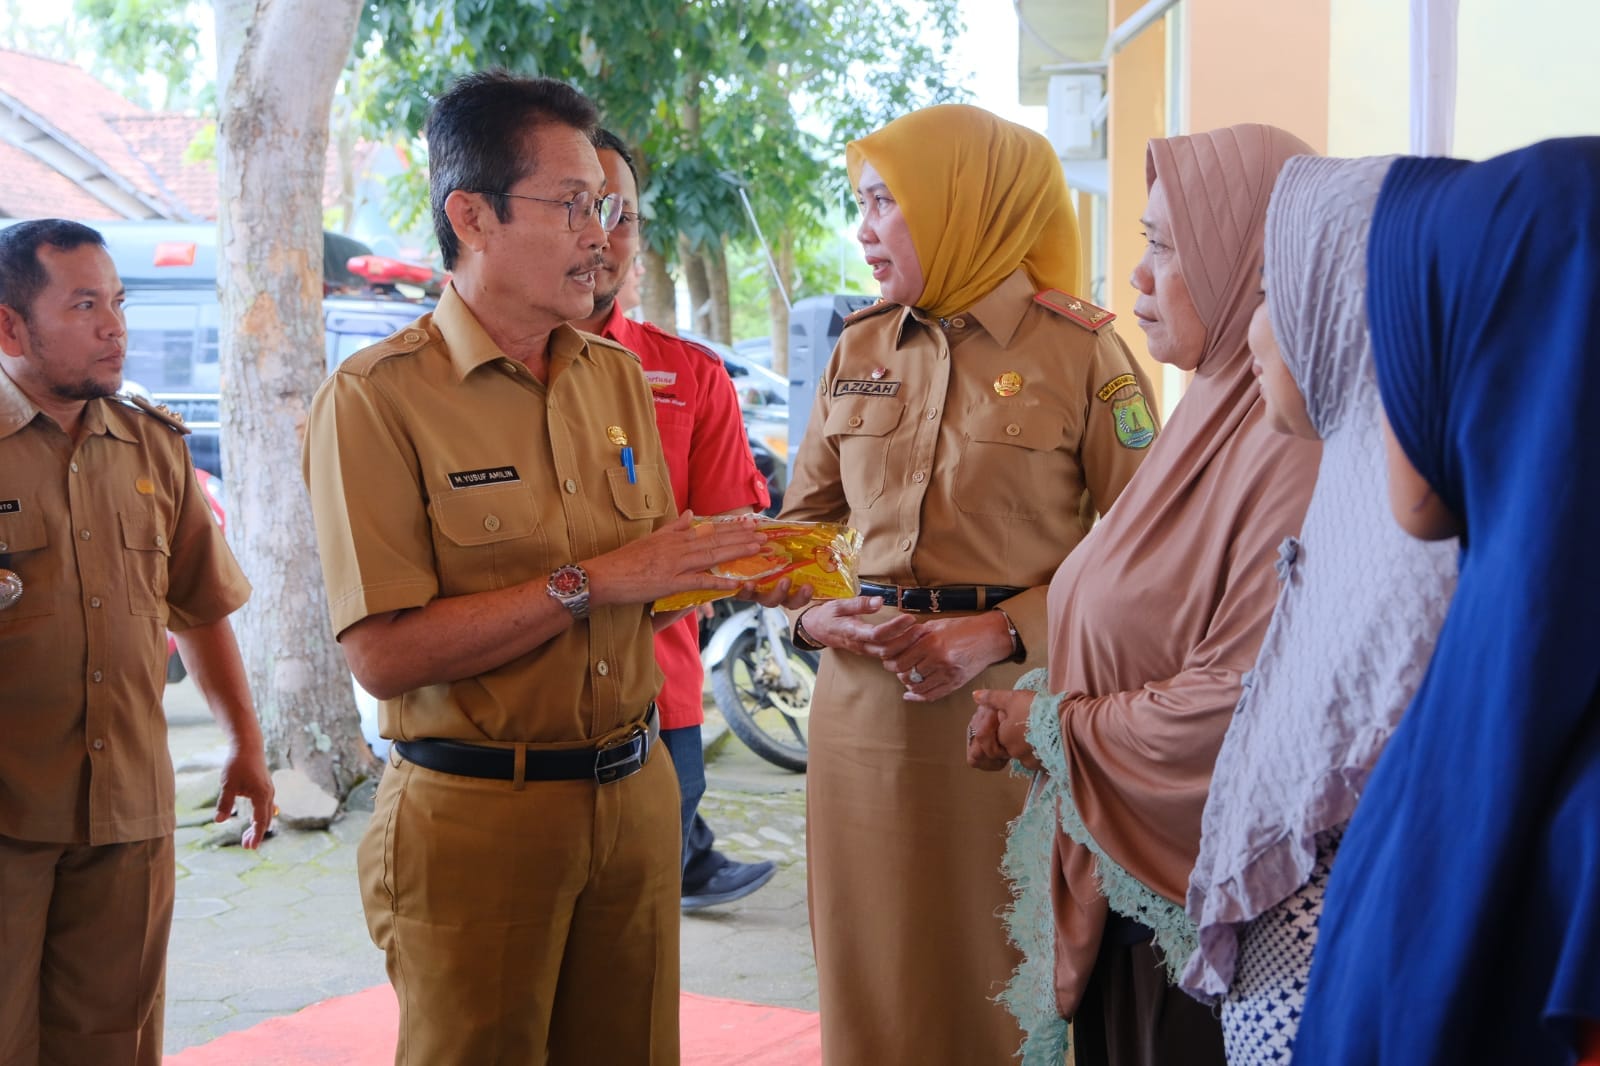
(1361, 602)
(1461, 922)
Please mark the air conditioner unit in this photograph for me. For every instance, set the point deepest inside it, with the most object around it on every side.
(1076, 119)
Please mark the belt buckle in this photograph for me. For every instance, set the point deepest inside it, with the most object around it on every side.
(622, 757)
(933, 601)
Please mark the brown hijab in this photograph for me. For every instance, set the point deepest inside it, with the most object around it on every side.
(1155, 618)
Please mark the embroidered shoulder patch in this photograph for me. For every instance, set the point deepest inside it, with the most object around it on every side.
(1082, 312)
(1130, 414)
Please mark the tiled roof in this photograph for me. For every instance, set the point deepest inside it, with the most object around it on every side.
(162, 141)
(71, 101)
(143, 150)
(29, 189)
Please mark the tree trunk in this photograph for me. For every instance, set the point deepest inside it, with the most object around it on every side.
(345, 140)
(716, 260)
(694, 272)
(777, 310)
(276, 86)
(659, 292)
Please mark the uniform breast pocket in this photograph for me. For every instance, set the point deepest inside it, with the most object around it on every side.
(146, 554)
(863, 429)
(488, 538)
(1008, 467)
(638, 504)
(23, 544)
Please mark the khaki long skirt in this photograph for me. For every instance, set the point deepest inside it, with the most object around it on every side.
(904, 843)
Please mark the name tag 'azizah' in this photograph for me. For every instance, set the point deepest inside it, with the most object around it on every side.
(849, 387)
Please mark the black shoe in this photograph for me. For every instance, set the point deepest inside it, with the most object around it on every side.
(730, 881)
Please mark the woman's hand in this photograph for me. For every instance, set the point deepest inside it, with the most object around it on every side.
(672, 559)
(1002, 718)
(840, 624)
(948, 653)
(984, 750)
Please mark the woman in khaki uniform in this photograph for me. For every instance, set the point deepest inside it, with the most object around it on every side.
(970, 425)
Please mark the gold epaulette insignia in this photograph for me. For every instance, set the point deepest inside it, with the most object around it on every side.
(160, 412)
(868, 311)
(1082, 312)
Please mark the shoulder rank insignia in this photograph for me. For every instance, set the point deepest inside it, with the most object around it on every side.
(1082, 312)
(160, 412)
(868, 311)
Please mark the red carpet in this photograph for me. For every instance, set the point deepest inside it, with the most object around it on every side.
(358, 1030)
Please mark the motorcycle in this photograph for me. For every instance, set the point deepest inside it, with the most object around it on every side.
(762, 682)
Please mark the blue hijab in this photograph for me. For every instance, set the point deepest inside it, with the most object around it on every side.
(1462, 921)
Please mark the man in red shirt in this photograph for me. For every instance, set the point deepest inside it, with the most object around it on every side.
(712, 471)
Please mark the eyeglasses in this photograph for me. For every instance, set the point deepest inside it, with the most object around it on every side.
(580, 209)
(634, 219)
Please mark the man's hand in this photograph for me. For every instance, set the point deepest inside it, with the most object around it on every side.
(780, 595)
(948, 653)
(999, 729)
(245, 774)
(672, 559)
(212, 655)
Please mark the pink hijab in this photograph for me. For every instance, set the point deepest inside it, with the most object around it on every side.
(1157, 615)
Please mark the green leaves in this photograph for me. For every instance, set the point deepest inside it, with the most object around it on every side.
(765, 90)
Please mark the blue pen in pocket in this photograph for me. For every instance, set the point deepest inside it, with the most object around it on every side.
(619, 437)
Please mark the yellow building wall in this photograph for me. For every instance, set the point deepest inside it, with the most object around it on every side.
(1369, 109)
(1137, 84)
(1525, 71)
(1259, 61)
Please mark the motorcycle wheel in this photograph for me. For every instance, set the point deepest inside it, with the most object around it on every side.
(772, 722)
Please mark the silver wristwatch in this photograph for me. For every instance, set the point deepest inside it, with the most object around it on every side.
(569, 586)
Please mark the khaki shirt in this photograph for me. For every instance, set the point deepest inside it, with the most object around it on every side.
(439, 467)
(976, 450)
(115, 544)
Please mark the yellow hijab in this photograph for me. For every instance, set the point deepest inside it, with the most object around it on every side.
(981, 196)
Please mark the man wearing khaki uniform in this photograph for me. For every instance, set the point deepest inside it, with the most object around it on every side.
(495, 517)
(105, 542)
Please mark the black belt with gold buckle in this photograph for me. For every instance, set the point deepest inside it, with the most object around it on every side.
(605, 763)
(937, 598)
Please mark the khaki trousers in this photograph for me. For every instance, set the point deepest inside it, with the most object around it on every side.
(83, 952)
(534, 925)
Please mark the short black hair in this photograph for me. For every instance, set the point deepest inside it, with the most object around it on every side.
(605, 140)
(22, 276)
(479, 137)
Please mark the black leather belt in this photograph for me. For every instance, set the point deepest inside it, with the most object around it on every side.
(939, 598)
(606, 763)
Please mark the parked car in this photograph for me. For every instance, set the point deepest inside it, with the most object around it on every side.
(756, 349)
(175, 318)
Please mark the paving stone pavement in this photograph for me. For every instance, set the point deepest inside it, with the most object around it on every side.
(257, 935)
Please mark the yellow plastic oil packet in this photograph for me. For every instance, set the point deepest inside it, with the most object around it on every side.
(824, 555)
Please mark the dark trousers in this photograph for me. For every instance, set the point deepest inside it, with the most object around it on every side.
(1131, 1016)
(688, 759)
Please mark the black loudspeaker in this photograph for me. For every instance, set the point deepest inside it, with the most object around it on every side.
(814, 327)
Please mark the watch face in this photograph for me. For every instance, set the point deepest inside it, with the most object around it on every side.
(567, 581)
